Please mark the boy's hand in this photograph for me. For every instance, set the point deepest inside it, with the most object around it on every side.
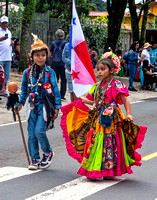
(129, 118)
(56, 114)
(18, 108)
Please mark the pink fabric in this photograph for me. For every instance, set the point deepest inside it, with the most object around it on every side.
(65, 110)
(140, 137)
(113, 93)
(90, 97)
(100, 174)
(121, 166)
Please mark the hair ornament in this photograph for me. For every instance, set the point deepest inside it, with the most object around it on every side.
(114, 58)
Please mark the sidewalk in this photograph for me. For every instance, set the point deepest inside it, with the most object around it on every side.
(7, 117)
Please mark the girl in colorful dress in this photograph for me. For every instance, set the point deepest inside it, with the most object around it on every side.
(101, 138)
(39, 84)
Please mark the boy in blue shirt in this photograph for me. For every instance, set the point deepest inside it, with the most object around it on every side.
(39, 80)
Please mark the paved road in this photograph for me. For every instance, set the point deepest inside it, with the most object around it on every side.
(60, 181)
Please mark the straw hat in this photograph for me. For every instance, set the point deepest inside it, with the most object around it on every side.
(38, 45)
(146, 45)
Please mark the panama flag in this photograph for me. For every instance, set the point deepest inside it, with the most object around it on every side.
(83, 76)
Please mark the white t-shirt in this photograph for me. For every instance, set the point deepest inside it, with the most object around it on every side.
(146, 53)
(5, 48)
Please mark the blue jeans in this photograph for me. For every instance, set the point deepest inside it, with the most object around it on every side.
(70, 84)
(6, 66)
(132, 73)
(37, 133)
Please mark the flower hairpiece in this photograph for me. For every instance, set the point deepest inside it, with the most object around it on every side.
(115, 60)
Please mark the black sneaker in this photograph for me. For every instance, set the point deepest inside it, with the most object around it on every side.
(34, 165)
(132, 89)
(63, 99)
(46, 160)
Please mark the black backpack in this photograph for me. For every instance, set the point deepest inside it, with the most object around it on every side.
(57, 55)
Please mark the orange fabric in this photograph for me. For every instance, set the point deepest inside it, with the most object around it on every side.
(88, 141)
(75, 118)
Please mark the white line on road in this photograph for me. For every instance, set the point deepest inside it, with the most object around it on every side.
(8, 173)
(12, 123)
(76, 189)
(136, 102)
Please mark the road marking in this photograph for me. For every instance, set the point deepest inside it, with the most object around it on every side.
(12, 123)
(76, 189)
(136, 102)
(150, 156)
(8, 173)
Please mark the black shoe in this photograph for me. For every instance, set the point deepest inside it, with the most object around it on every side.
(34, 165)
(132, 89)
(63, 99)
(46, 160)
(0, 98)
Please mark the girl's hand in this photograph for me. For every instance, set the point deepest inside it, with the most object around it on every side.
(87, 101)
(83, 99)
(129, 118)
(56, 114)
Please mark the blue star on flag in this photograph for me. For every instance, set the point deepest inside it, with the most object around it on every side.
(74, 18)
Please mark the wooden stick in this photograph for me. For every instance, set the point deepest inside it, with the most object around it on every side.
(23, 138)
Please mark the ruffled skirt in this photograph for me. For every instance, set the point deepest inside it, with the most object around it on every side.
(102, 152)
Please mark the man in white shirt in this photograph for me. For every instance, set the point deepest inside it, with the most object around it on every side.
(5, 47)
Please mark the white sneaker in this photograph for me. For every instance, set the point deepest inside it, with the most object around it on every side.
(46, 160)
(156, 89)
(34, 165)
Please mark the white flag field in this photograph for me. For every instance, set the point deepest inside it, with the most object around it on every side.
(83, 76)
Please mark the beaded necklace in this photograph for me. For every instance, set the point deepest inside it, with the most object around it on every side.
(30, 85)
(100, 94)
(38, 84)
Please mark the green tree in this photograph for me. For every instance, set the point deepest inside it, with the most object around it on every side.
(95, 31)
(28, 13)
(100, 4)
(62, 10)
(135, 19)
(116, 11)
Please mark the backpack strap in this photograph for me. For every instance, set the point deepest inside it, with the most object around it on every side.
(27, 73)
(48, 74)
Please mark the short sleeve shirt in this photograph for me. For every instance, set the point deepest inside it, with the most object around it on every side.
(5, 48)
(113, 93)
(145, 52)
(153, 55)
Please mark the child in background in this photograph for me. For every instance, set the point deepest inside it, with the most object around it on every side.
(102, 139)
(38, 81)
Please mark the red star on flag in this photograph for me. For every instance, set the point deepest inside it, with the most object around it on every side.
(75, 74)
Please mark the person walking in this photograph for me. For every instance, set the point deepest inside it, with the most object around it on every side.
(17, 50)
(132, 64)
(39, 83)
(57, 63)
(6, 44)
(67, 60)
(101, 138)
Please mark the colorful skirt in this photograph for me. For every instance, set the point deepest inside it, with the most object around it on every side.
(102, 152)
